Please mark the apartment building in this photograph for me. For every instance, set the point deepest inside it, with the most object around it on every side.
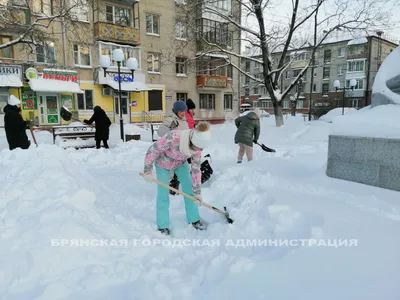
(63, 68)
(339, 58)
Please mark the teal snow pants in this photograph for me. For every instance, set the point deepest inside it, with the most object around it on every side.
(184, 176)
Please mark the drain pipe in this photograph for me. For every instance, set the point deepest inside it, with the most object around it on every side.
(64, 35)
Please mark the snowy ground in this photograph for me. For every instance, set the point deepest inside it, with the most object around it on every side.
(50, 196)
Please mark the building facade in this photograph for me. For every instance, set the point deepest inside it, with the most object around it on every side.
(338, 58)
(63, 68)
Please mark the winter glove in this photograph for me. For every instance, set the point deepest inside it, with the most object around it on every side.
(148, 177)
(255, 141)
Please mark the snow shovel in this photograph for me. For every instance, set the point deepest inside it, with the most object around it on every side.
(66, 115)
(265, 148)
(225, 213)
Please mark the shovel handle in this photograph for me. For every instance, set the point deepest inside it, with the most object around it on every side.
(186, 195)
(33, 136)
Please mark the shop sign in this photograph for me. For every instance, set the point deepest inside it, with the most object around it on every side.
(63, 75)
(29, 100)
(123, 77)
(11, 70)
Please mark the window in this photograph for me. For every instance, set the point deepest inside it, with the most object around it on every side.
(300, 56)
(46, 53)
(228, 101)
(213, 31)
(43, 7)
(247, 68)
(80, 10)
(153, 63)
(266, 104)
(286, 104)
(300, 104)
(6, 52)
(340, 70)
(207, 101)
(180, 31)
(296, 72)
(342, 52)
(129, 51)
(181, 97)
(359, 85)
(118, 15)
(85, 101)
(327, 56)
(325, 88)
(255, 91)
(82, 55)
(326, 72)
(255, 103)
(180, 66)
(229, 71)
(355, 66)
(153, 24)
(314, 89)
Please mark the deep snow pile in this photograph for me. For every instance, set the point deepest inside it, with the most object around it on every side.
(50, 195)
(379, 121)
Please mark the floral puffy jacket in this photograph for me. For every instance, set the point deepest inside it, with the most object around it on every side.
(165, 153)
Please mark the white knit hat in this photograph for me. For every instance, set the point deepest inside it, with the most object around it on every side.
(13, 100)
(201, 137)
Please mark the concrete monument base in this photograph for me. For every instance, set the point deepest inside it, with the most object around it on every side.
(367, 160)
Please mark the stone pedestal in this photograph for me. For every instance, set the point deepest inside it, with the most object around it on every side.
(371, 161)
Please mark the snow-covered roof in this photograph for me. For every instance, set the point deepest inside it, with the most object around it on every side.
(357, 41)
(55, 86)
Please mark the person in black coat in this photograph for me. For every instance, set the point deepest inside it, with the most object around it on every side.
(102, 123)
(15, 126)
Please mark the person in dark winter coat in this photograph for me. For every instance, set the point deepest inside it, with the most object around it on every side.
(102, 123)
(15, 126)
(248, 132)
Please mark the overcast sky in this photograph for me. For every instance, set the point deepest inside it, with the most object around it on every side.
(281, 10)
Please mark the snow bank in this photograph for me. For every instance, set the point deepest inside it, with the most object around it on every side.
(380, 121)
(81, 225)
(387, 71)
(333, 113)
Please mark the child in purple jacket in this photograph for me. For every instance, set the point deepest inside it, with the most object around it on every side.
(171, 152)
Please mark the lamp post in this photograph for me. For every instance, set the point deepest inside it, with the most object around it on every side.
(131, 63)
(336, 84)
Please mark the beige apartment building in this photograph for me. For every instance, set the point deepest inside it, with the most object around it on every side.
(340, 57)
(63, 68)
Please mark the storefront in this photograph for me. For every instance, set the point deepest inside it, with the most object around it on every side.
(135, 94)
(10, 84)
(47, 92)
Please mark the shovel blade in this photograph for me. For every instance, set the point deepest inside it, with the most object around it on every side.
(265, 148)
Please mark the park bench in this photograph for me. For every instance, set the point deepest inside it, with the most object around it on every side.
(79, 137)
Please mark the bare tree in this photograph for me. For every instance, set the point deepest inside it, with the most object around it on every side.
(342, 15)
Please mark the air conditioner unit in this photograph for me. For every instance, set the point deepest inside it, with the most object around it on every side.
(108, 92)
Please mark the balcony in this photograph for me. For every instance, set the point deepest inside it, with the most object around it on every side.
(116, 33)
(207, 81)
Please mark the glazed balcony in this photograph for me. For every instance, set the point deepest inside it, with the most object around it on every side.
(208, 81)
(116, 33)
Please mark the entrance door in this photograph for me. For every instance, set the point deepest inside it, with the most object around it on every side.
(49, 110)
(125, 111)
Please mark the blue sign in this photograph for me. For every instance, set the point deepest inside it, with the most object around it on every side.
(123, 78)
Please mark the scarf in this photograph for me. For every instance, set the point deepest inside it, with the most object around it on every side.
(184, 142)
